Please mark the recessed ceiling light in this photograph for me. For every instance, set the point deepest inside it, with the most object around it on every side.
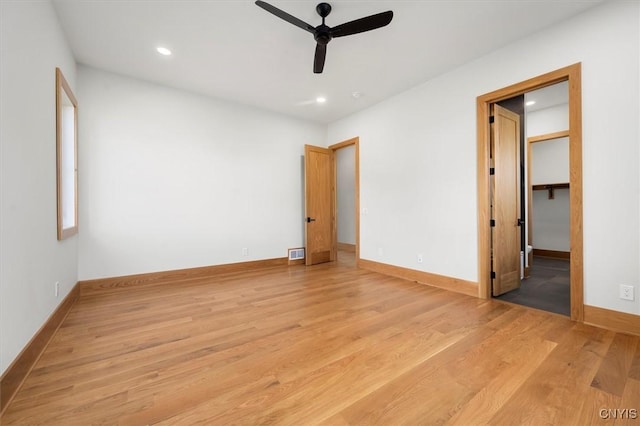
(321, 100)
(529, 103)
(163, 51)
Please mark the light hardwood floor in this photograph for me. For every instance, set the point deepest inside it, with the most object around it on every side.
(328, 344)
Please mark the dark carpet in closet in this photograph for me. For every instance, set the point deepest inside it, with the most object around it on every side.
(547, 288)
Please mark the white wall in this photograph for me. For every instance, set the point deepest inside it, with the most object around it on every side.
(551, 221)
(418, 154)
(32, 46)
(550, 161)
(550, 164)
(547, 120)
(346, 191)
(551, 218)
(171, 180)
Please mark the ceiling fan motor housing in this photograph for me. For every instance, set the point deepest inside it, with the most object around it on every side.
(322, 34)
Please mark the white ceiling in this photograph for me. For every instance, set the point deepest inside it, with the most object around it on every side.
(236, 51)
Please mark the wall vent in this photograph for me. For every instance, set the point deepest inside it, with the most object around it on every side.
(296, 254)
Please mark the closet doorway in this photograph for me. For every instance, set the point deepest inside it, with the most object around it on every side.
(571, 76)
(545, 232)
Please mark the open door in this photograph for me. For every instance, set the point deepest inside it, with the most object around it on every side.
(505, 200)
(572, 74)
(319, 200)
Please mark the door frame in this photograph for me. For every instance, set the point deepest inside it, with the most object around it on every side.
(572, 74)
(356, 142)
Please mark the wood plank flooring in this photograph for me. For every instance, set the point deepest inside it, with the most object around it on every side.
(329, 344)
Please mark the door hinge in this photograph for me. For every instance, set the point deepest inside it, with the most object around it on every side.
(491, 119)
(492, 171)
(493, 275)
(492, 223)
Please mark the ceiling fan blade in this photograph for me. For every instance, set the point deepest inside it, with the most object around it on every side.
(363, 24)
(318, 61)
(284, 15)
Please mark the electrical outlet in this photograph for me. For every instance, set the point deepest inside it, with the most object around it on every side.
(245, 251)
(56, 287)
(626, 292)
(380, 252)
(420, 258)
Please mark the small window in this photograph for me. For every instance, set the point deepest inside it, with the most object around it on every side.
(66, 157)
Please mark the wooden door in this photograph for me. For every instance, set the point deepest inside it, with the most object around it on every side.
(506, 211)
(319, 205)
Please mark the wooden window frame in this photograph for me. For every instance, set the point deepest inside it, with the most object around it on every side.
(64, 90)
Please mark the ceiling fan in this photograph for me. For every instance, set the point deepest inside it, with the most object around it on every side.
(323, 33)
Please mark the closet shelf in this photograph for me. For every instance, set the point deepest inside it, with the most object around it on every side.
(550, 187)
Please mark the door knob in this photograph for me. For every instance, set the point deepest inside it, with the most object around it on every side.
(310, 219)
